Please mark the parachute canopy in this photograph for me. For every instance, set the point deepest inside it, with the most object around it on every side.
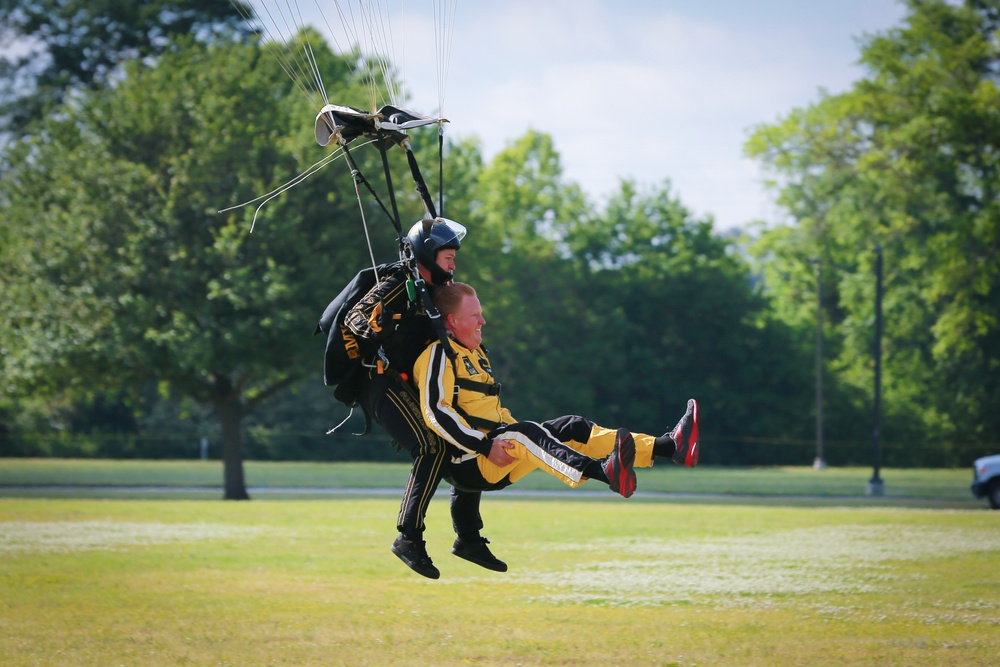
(346, 123)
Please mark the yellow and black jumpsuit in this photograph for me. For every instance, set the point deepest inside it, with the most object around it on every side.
(459, 403)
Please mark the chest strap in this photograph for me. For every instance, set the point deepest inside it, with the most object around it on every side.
(490, 389)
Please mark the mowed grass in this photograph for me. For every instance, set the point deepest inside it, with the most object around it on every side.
(593, 582)
(18, 476)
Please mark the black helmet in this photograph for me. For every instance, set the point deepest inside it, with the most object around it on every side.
(427, 237)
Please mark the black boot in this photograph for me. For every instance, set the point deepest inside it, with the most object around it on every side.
(475, 551)
(414, 554)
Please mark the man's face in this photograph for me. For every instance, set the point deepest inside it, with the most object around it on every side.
(466, 323)
(446, 259)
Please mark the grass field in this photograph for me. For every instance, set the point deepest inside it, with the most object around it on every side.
(659, 582)
(949, 486)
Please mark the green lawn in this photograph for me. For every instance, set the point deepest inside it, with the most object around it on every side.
(601, 582)
(944, 486)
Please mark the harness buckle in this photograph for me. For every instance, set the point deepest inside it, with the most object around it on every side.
(379, 363)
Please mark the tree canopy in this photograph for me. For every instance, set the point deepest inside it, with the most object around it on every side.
(623, 314)
(908, 160)
(119, 273)
(67, 45)
(121, 270)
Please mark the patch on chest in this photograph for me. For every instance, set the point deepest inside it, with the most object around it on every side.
(485, 364)
(470, 367)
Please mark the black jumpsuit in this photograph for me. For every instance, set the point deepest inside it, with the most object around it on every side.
(387, 316)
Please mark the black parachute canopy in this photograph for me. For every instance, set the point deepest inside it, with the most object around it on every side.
(347, 123)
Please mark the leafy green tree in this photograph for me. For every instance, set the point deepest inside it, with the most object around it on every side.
(623, 314)
(520, 203)
(78, 44)
(909, 160)
(684, 319)
(121, 271)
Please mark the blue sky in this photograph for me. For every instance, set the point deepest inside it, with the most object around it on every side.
(648, 90)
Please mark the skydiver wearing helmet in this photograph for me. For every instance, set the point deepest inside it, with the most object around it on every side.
(427, 239)
(389, 331)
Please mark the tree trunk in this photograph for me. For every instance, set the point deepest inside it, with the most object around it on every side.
(230, 416)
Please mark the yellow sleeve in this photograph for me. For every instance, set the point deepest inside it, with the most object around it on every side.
(435, 380)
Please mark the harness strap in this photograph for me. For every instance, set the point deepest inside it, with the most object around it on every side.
(422, 293)
(482, 387)
(478, 422)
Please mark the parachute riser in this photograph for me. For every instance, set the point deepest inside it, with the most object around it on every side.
(359, 179)
(383, 151)
(441, 169)
(418, 179)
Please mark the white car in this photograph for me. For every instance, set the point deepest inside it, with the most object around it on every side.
(986, 479)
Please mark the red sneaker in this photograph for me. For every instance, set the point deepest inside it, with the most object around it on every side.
(685, 436)
(618, 465)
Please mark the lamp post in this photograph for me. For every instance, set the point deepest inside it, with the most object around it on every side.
(876, 487)
(819, 463)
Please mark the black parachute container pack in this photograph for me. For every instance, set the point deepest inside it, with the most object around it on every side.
(342, 366)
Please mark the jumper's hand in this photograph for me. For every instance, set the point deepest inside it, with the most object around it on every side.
(498, 453)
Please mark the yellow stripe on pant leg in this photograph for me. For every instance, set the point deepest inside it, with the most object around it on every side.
(602, 443)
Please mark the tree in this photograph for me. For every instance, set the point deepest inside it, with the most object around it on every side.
(621, 313)
(121, 271)
(684, 319)
(80, 44)
(520, 203)
(908, 159)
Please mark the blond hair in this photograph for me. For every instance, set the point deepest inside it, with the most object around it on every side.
(448, 298)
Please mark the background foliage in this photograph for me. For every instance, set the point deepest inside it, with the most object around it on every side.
(141, 319)
(908, 161)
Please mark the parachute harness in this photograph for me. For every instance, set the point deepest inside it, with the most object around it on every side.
(366, 24)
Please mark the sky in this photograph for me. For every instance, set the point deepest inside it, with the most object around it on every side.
(655, 91)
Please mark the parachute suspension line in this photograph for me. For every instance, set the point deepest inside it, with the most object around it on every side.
(310, 57)
(305, 76)
(364, 224)
(283, 61)
(319, 165)
(287, 186)
(356, 28)
(359, 177)
(350, 26)
(307, 51)
(445, 12)
(399, 66)
(360, 31)
(286, 57)
(444, 32)
(349, 414)
(343, 22)
(380, 35)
